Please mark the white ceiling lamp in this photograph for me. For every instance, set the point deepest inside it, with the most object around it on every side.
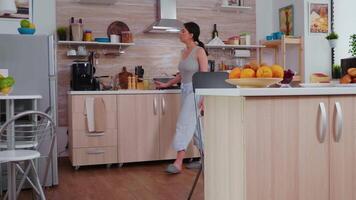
(7, 7)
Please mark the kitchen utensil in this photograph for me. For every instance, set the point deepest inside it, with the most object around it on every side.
(114, 38)
(253, 82)
(102, 40)
(116, 27)
(71, 52)
(82, 51)
(26, 31)
(77, 31)
(139, 71)
(126, 37)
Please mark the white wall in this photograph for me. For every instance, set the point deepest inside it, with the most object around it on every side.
(264, 24)
(345, 25)
(44, 16)
(298, 21)
(317, 50)
(264, 18)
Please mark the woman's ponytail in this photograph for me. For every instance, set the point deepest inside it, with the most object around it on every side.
(201, 44)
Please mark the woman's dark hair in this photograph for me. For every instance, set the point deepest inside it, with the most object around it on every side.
(194, 29)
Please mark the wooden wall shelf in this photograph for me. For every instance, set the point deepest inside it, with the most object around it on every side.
(84, 43)
(228, 46)
(280, 47)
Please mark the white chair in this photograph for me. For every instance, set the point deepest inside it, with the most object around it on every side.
(28, 140)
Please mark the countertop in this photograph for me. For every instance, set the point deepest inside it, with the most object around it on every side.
(19, 96)
(119, 92)
(255, 92)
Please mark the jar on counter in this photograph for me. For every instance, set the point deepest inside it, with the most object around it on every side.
(88, 35)
(126, 37)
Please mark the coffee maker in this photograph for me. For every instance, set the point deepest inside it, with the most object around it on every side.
(83, 75)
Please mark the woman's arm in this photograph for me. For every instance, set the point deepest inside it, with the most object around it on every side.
(203, 67)
(176, 80)
(202, 60)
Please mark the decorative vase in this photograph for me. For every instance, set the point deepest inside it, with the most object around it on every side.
(332, 43)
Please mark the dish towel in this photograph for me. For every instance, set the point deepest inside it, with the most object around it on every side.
(99, 115)
(89, 113)
(95, 112)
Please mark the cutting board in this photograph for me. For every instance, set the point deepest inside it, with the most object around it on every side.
(123, 78)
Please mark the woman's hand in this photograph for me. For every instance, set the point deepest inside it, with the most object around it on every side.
(201, 106)
(160, 85)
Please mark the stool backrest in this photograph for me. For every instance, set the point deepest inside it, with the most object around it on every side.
(210, 80)
(31, 130)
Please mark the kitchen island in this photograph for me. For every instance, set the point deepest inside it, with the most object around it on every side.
(139, 126)
(280, 143)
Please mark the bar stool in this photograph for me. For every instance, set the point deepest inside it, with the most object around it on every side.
(28, 141)
(206, 80)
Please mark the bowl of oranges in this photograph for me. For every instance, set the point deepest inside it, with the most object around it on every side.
(254, 76)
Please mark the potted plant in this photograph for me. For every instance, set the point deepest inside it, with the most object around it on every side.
(353, 45)
(62, 33)
(336, 71)
(332, 38)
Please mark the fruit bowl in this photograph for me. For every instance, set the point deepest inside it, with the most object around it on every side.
(6, 91)
(253, 82)
(26, 31)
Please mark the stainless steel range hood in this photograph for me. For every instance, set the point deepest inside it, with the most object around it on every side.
(166, 18)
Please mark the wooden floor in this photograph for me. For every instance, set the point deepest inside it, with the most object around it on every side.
(144, 181)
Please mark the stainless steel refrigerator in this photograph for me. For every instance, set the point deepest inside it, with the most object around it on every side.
(31, 60)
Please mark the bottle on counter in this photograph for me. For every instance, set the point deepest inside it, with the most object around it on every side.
(129, 83)
(134, 82)
(215, 32)
(88, 35)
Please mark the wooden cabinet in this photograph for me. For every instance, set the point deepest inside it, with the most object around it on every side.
(147, 126)
(297, 148)
(286, 157)
(92, 148)
(139, 127)
(342, 148)
(169, 112)
(138, 121)
(170, 108)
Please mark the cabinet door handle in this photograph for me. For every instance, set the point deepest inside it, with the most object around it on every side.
(163, 105)
(338, 122)
(95, 134)
(322, 122)
(155, 106)
(95, 152)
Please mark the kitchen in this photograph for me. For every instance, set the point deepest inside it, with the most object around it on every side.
(159, 54)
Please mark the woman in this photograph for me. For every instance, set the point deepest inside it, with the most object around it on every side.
(194, 58)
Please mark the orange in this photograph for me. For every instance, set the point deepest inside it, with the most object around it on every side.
(264, 72)
(235, 73)
(248, 73)
(277, 71)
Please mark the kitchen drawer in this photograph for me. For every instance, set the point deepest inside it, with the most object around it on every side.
(94, 156)
(79, 121)
(78, 102)
(86, 139)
